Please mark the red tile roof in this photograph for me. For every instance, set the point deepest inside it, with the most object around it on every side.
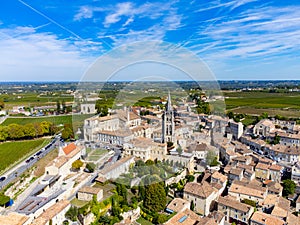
(69, 148)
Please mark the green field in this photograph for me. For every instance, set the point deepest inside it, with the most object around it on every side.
(76, 120)
(255, 103)
(12, 152)
(142, 221)
(33, 99)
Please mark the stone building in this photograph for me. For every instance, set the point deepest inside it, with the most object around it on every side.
(168, 124)
(201, 194)
(234, 210)
(87, 193)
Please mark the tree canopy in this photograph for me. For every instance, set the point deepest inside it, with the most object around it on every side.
(155, 197)
(289, 187)
(76, 165)
(4, 199)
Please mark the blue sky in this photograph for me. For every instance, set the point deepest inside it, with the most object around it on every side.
(237, 39)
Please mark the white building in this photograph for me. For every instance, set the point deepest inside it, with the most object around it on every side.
(264, 128)
(87, 193)
(63, 163)
(87, 108)
(115, 170)
(145, 148)
(54, 215)
(201, 194)
(236, 129)
(296, 173)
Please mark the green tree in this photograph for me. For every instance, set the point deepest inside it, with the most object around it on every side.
(192, 205)
(162, 218)
(64, 107)
(169, 144)
(4, 133)
(29, 130)
(179, 150)
(90, 167)
(45, 126)
(38, 129)
(15, 131)
(155, 197)
(1, 104)
(190, 178)
(210, 156)
(76, 165)
(4, 199)
(57, 106)
(230, 115)
(249, 202)
(67, 133)
(214, 162)
(122, 191)
(72, 213)
(289, 187)
(276, 139)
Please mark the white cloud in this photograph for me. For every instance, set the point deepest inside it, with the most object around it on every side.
(260, 32)
(27, 55)
(84, 12)
(122, 9)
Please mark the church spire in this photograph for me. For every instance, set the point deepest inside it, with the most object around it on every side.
(169, 104)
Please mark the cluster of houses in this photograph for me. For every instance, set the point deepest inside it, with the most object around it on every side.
(251, 171)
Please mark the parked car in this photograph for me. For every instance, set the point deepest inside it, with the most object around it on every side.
(2, 179)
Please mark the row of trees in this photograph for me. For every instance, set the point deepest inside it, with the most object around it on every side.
(61, 107)
(28, 131)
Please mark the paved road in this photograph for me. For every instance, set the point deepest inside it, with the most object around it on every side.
(23, 166)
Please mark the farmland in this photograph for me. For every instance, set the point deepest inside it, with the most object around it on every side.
(33, 99)
(255, 103)
(12, 152)
(76, 120)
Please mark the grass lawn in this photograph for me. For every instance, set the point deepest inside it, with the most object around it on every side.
(107, 189)
(78, 203)
(12, 152)
(43, 162)
(94, 155)
(142, 221)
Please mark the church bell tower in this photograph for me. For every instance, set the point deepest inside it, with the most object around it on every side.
(168, 125)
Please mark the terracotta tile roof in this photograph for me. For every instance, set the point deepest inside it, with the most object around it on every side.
(206, 221)
(69, 148)
(243, 166)
(274, 187)
(198, 147)
(266, 219)
(275, 167)
(217, 216)
(203, 190)
(236, 171)
(247, 189)
(279, 212)
(187, 217)
(219, 176)
(234, 204)
(177, 204)
(50, 213)
(292, 219)
(262, 166)
(90, 190)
